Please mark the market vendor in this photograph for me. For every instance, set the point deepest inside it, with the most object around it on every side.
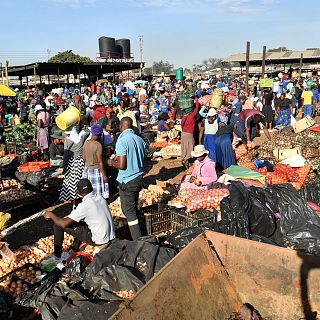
(90, 222)
(163, 127)
(204, 172)
(284, 110)
(56, 149)
(246, 123)
(110, 122)
(211, 126)
(43, 121)
(188, 126)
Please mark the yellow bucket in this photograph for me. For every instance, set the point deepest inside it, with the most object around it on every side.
(68, 118)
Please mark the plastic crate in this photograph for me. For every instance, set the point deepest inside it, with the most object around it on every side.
(34, 166)
(155, 219)
(181, 220)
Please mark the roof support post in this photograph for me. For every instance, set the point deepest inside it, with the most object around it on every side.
(300, 67)
(264, 61)
(247, 66)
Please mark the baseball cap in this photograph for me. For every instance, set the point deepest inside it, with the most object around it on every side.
(84, 185)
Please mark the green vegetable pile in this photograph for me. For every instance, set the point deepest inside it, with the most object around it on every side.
(21, 133)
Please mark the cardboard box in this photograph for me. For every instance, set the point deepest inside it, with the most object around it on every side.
(162, 184)
(303, 124)
(282, 154)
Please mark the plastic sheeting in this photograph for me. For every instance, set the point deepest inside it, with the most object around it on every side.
(125, 265)
(277, 215)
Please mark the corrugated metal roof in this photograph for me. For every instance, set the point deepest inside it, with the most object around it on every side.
(284, 55)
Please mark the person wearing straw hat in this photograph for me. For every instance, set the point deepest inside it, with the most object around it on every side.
(204, 172)
(56, 149)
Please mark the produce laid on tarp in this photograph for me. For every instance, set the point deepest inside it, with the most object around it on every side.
(294, 157)
(15, 194)
(173, 150)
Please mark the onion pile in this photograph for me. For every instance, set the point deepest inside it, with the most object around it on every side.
(21, 257)
(124, 294)
(202, 199)
(46, 244)
(15, 194)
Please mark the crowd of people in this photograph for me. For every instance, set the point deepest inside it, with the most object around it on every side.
(108, 147)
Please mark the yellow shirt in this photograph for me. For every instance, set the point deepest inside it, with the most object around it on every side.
(307, 97)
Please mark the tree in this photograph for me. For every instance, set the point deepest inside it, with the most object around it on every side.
(313, 49)
(147, 71)
(68, 56)
(187, 71)
(162, 66)
(280, 49)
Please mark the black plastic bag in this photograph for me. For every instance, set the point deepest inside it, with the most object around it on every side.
(75, 269)
(299, 225)
(244, 212)
(311, 192)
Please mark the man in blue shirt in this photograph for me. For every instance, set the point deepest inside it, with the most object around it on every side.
(130, 153)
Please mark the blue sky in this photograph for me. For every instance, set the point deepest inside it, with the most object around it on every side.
(184, 32)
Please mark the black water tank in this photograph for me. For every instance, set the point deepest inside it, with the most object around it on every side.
(107, 47)
(125, 46)
(119, 51)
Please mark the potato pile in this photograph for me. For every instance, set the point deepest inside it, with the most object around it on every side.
(9, 183)
(15, 194)
(46, 244)
(146, 198)
(115, 209)
(19, 281)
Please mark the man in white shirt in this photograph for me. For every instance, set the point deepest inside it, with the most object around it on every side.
(90, 222)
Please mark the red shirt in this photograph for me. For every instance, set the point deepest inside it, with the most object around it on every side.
(99, 112)
(188, 122)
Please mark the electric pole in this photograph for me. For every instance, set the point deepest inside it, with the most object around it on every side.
(141, 53)
(48, 51)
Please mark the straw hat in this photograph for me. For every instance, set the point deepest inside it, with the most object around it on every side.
(199, 151)
(212, 112)
(38, 107)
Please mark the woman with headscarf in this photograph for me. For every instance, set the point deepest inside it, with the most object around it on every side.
(94, 168)
(188, 126)
(73, 164)
(43, 121)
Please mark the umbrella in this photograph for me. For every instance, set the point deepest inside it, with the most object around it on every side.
(6, 91)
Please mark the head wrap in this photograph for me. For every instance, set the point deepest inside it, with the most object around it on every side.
(96, 130)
